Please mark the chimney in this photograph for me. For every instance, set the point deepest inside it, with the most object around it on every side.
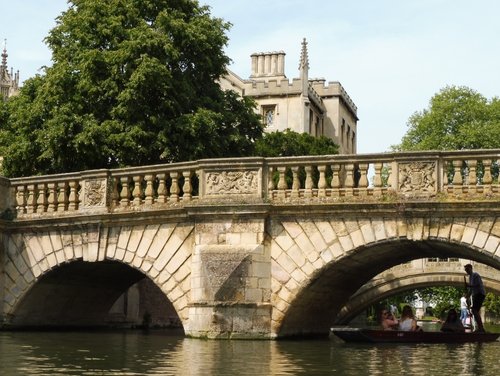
(268, 65)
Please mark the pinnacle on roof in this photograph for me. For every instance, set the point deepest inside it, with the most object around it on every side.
(4, 54)
(304, 58)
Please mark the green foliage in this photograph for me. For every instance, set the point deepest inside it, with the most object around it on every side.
(442, 298)
(492, 304)
(132, 83)
(290, 143)
(457, 118)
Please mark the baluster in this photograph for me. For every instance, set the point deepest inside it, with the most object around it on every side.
(41, 202)
(125, 191)
(137, 192)
(349, 179)
(162, 189)
(73, 196)
(377, 179)
(115, 195)
(282, 186)
(270, 178)
(148, 192)
(187, 188)
(392, 180)
(472, 177)
(335, 183)
(270, 182)
(30, 202)
(21, 199)
(174, 188)
(52, 199)
(322, 181)
(457, 176)
(62, 197)
(295, 182)
(487, 178)
(363, 179)
(309, 182)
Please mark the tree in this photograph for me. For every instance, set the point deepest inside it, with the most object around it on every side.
(457, 118)
(492, 305)
(442, 298)
(290, 143)
(132, 83)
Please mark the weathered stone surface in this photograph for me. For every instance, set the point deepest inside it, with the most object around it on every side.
(238, 276)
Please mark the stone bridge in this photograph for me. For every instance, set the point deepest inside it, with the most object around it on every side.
(243, 248)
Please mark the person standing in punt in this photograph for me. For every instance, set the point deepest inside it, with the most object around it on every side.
(476, 290)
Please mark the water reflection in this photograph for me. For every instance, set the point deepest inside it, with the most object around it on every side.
(134, 353)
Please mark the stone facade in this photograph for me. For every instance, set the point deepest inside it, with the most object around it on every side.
(9, 81)
(303, 105)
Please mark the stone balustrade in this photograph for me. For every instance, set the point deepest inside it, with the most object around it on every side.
(468, 175)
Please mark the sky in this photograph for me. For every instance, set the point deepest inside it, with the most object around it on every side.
(391, 56)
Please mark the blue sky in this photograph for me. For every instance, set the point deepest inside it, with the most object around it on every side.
(391, 56)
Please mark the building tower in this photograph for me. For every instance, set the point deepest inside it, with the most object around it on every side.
(303, 104)
(9, 82)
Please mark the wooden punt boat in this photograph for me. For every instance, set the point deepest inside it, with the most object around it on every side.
(396, 336)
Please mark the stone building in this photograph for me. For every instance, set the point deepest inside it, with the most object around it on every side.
(303, 105)
(9, 81)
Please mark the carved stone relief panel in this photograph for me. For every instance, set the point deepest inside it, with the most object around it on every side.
(95, 193)
(417, 177)
(231, 182)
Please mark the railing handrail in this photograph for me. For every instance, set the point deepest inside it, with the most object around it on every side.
(271, 161)
(275, 179)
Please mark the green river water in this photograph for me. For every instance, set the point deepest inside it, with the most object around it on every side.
(160, 353)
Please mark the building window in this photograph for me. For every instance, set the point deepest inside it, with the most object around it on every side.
(442, 259)
(269, 115)
(342, 132)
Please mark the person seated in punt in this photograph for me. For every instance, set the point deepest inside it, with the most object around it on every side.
(388, 321)
(452, 323)
(408, 323)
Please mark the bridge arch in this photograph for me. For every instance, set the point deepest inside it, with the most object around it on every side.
(319, 263)
(401, 278)
(96, 261)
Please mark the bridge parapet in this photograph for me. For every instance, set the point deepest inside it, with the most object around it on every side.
(468, 175)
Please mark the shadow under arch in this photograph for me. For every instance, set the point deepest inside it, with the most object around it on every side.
(315, 307)
(77, 294)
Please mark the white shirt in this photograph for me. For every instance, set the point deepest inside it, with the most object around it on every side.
(463, 302)
(406, 325)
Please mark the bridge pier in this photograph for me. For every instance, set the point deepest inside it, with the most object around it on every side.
(230, 321)
(231, 278)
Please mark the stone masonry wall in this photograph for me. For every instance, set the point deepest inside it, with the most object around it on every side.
(231, 280)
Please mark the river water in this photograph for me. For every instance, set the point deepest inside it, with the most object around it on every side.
(156, 353)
